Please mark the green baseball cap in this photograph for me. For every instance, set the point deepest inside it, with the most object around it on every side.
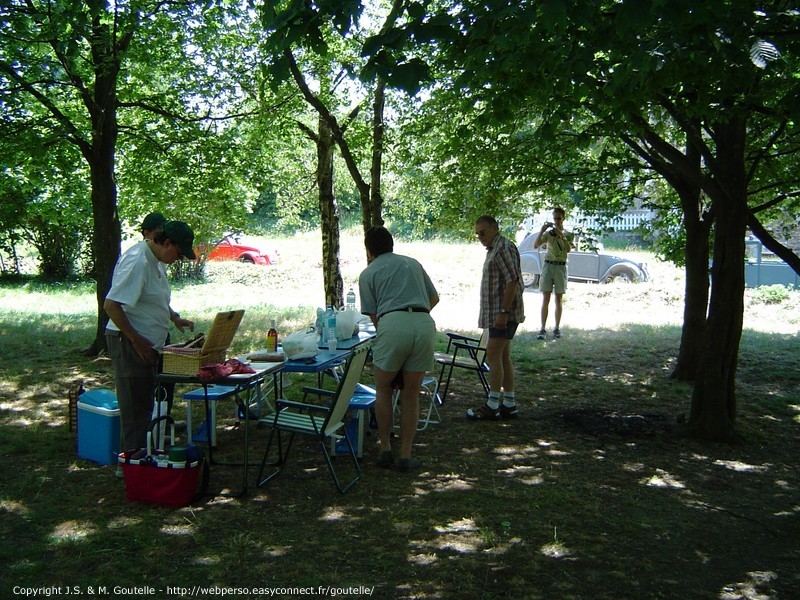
(180, 234)
(153, 221)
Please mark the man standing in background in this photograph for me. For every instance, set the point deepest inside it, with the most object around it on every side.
(501, 311)
(554, 269)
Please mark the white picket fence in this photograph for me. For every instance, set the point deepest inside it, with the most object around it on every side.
(628, 221)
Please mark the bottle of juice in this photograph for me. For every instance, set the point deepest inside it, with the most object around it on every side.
(272, 338)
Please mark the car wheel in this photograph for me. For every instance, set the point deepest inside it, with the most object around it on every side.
(624, 277)
(246, 259)
(527, 279)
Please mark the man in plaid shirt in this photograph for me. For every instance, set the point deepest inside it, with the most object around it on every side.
(501, 311)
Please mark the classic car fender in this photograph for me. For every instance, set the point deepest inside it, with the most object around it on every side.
(624, 272)
(253, 257)
(531, 265)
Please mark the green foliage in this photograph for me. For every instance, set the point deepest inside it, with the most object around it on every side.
(178, 149)
(44, 203)
(771, 294)
(586, 97)
(184, 153)
(394, 52)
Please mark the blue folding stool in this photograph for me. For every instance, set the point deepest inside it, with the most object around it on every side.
(362, 405)
(215, 393)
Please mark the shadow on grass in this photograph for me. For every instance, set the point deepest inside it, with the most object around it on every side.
(532, 508)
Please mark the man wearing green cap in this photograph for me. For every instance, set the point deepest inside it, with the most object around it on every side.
(152, 224)
(139, 311)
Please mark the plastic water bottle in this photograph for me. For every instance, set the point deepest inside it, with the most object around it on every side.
(322, 323)
(331, 329)
(351, 300)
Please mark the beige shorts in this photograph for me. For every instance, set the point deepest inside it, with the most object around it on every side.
(554, 277)
(404, 342)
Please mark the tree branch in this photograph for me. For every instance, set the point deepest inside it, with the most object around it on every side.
(756, 162)
(72, 132)
(323, 111)
(775, 201)
(308, 131)
(772, 244)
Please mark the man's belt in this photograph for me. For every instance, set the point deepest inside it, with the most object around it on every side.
(555, 262)
(407, 309)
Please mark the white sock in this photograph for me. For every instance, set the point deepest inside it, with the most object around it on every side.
(508, 399)
(494, 400)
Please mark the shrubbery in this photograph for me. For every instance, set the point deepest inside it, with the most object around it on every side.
(771, 294)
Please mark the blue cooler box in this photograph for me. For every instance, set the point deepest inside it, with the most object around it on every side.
(98, 426)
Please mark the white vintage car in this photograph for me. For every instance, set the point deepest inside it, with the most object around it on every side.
(584, 266)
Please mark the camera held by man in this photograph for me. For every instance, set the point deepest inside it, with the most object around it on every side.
(553, 231)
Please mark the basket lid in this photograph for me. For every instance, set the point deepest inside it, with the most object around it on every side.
(222, 330)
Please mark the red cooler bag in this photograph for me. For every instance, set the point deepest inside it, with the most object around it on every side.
(151, 477)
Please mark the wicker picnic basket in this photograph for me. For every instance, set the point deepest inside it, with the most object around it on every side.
(187, 361)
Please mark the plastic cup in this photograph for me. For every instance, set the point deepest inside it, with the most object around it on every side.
(331, 345)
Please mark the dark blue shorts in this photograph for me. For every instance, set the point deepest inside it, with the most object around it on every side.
(507, 333)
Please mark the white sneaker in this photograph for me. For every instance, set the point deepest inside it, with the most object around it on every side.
(542, 334)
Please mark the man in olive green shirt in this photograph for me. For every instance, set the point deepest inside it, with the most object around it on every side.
(554, 269)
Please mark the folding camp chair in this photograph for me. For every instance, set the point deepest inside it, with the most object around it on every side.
(429, 403)
(300, 418)
(463, 352)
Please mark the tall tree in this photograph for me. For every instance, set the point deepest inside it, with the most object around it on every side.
(68, 57)
(142, 71)
(321, 28)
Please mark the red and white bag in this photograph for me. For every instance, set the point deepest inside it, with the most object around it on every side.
(153, 478)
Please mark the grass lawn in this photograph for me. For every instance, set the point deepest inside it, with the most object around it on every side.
(592, 493)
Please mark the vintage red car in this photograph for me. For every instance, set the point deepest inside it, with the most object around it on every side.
(231, 248)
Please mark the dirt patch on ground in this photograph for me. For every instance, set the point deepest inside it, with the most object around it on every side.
(599, 422)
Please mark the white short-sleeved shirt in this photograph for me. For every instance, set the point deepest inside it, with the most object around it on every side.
(140, 284)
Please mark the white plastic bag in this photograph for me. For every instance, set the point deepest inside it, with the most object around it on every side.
(346, 324)
(301, 344)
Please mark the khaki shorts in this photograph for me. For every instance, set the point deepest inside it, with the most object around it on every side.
(554, 277)
(404, 342)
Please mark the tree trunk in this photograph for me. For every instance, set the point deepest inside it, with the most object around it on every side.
(713, 408)
(329, 216)
(695, 303)
(372, 212)
(101, 156)
(107, 237)
(698, 225)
